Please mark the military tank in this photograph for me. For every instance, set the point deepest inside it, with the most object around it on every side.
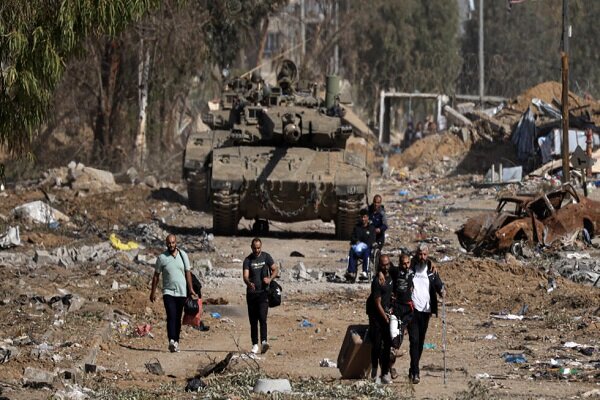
(277, 153)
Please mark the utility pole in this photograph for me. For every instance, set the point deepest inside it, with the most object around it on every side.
(302, 29)
(336, 48)
(481, 61)
(565, 93)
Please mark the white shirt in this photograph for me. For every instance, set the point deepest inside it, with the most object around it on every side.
(420, 295)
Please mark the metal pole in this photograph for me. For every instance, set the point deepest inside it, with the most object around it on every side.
(481, 61)
(444, 335)
(565, 94)
(589, 142)
(381, 114)
(336, 48)
(302, 29)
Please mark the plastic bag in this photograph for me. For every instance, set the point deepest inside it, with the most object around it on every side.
(191, 306)
(274, 294)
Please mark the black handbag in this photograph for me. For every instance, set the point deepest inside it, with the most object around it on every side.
(191, 306)
(274, 294)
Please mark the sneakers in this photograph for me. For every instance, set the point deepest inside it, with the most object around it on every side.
(416, 379)
(173, 346)
(265, 347)
(364, 275)
(350, 276)
(254, 349)
(386, 379)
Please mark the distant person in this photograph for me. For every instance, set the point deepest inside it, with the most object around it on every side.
(2, 177)
(361, 243)
(379, 304)
(408, 136)
(378, 219)
(418, 132)
(258, 271)
(431, 128)
(426, 286)
(174, 265)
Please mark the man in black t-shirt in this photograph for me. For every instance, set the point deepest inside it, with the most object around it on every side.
(258, 271)
(402, 278)
(378, 307)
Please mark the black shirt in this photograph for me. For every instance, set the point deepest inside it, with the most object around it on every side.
(378, 290)
(365, 234)
(403, 284)
(259, 267)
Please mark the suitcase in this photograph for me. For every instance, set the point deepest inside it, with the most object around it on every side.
(354, 360)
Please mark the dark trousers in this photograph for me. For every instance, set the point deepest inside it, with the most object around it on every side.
(417, 328)
(174, 310)
(353, 260)
(258, 307)
(381, 344)
(404, 313)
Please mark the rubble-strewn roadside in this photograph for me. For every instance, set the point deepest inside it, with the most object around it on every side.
(76, 320)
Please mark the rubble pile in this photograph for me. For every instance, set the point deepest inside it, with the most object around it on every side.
(78, 177)
(531, 123)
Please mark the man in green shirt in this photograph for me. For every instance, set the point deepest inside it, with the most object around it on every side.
(174, 265)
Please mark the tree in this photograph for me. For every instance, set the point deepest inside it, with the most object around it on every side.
(522, 47)
(407, 45)
(37, 38)
(233, 23)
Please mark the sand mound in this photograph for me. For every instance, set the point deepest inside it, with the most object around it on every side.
(546, 91)
(430, 151)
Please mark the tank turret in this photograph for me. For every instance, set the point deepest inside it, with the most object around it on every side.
(276, 153)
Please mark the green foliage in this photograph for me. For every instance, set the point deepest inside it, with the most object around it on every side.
(407, 45)
(522, 47)
(37, 38)
(229, 21)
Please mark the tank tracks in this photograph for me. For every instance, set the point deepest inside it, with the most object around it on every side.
(197, 186)
(348, 210)
(225, 212)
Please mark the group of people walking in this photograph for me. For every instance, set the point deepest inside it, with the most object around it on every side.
(177, 285)
(401, 300)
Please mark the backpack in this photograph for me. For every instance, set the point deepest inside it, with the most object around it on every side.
(196, 285)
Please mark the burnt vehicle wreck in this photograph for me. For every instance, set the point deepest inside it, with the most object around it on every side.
(531, 220)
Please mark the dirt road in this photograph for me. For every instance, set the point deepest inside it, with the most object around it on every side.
(310, 325)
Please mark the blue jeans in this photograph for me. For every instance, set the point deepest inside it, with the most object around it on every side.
(354, 256)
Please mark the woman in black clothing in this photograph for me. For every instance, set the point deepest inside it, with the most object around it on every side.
(378, 307)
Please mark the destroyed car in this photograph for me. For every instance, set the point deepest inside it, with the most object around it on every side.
(530, 219)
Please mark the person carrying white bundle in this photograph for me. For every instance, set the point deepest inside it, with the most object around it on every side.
(402, 278)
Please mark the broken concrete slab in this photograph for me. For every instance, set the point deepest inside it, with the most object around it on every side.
(43, 257)
(299, 272)
(39, 212)
(38, 378)
(11, 238)
(455, 117)
(272, 385)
